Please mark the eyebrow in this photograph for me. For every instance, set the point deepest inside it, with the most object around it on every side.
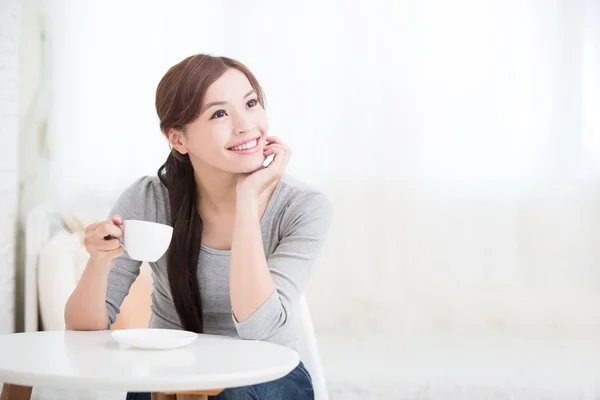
(220, 103)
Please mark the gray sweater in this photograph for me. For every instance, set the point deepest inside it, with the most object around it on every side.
(293, 228)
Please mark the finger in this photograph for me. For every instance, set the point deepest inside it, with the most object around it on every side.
(92, 227)
(94, 243)
(280, 160)
(270, 149)
(105, 245)
(281, 155)
(117, 219)
(271, 140)
(287, 153)
(285, 149)
(277, 149)
(109, 229)
(115, 253)
(110, 255)
(275, 140)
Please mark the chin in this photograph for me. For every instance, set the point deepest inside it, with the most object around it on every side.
(250, 167)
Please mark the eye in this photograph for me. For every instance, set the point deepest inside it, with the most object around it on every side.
(252, 103)
(219, 114)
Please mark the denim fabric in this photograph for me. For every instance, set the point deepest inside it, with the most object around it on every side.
(297, 385)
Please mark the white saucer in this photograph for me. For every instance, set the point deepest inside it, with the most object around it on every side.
(156, 339)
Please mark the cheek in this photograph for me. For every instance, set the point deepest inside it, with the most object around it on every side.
(262, 122)
(210, 138)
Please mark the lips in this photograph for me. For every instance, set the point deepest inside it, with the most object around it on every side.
(245, 145)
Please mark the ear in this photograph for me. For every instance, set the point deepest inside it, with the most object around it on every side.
(177, 140)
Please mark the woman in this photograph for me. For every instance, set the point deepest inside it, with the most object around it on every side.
(245, 237)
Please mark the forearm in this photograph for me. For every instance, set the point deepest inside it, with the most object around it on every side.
(86, 307)
(250, 281)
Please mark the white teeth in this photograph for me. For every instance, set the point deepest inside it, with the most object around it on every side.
(246, 146)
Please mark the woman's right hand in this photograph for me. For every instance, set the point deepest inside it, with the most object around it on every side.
(101, 240)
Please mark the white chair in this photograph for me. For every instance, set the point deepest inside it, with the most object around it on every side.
(308, 350)
(43, 226)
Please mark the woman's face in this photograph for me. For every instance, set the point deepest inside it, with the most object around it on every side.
(229, 134)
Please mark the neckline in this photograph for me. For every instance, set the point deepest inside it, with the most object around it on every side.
(265, 216)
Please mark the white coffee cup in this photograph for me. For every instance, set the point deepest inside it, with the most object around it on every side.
(146, 241)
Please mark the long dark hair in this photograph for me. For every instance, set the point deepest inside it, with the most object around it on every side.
(179, 97)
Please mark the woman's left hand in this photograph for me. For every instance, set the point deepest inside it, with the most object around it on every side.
(255, 183)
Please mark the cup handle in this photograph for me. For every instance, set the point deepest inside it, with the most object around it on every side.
(121, 239)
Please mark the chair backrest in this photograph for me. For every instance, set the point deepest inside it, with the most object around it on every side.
(308, 350)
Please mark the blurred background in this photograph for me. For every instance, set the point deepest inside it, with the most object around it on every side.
(458, 140)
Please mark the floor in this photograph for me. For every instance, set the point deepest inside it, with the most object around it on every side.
(461, 368)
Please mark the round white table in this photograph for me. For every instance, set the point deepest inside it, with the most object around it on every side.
(95, 361)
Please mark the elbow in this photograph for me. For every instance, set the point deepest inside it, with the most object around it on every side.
(263, 329)
(245, 335)
(73, 324)
(255, 335)
(85, 325)
(77, 319)
(268, 321)
(71, 321)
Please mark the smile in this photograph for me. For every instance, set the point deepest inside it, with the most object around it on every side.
(247, 147)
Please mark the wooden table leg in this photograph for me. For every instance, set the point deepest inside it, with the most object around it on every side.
(163, 396)
(15, 392)
(192, 397)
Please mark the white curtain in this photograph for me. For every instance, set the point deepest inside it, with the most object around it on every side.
(459, 142)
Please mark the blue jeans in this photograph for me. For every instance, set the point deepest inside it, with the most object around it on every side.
(297, 385)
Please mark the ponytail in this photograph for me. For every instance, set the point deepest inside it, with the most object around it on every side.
(177, 174)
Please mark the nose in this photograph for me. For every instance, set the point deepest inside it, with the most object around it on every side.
(243, 125)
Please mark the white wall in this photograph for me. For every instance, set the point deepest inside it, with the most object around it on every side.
(10, 23)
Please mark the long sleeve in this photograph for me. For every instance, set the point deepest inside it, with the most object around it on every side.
(304, 227)
(138, 202)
